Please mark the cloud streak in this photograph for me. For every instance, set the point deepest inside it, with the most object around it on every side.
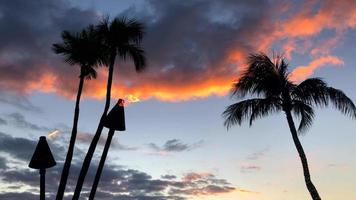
(302, 72)
(172, 146)
(19, 121)
(86, 138)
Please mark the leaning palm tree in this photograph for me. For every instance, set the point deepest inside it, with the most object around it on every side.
(85, 50)
(122, 38)
(270, 83)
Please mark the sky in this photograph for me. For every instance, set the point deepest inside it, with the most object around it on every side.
(176, 146)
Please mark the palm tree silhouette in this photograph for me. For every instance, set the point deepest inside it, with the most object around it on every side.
(85, 50)
(122, 37)
(270, 82)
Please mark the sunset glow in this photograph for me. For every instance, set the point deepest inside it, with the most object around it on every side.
(171, 141)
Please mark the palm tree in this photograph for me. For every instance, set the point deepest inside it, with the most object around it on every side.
(122, 37)
(270, 83)
(84, 50)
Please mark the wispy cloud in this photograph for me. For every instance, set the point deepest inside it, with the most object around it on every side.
(19, 121)
(252, 163)
(258, 154)
(87, 138)
(302, 72)
(17, 101)
(173, 145)
(249, 168)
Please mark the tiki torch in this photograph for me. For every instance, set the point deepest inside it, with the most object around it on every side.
(114, 121)
(42, 159)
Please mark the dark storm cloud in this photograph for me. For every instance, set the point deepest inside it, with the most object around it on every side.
(194, 48)
(25, 44)
(187, 43)
(174, 145)
(195, 35)
(116, 182)
(22, 149)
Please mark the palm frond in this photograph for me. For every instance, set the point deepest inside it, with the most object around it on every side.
(341, 102)
(121, 30)
(136, 53)
(265, 107)
(306, 114)
(136, 30)
(316, 91)
(82, 48)
(311, 91)
(89, 73)
(249, 109)
(262, 77)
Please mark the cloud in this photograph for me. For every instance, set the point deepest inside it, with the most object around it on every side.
(117, 182)
(249, 168)
(18, 101)
(3, 163)
(3, 121)
(197, 57)
(16, 196)
(258, 154)
(22, 149)
(27, 62)
(173, 145)
(205, 184)
(193, 49)
(302, 72)
(252, 165)
(340, 166)
(55, 133)
(19, 121)
(87, 138)
(169, 177)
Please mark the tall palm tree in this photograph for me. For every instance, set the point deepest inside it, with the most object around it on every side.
(122, 38)
(270, 83)
(85, 50)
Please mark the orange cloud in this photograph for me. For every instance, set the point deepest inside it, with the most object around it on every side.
(219, 86)
(293, 28)
(196, 176)
(302, 72)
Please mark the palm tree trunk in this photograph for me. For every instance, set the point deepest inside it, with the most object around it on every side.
(311, 188)
(68, 160)
(95, 140)
(101, 164)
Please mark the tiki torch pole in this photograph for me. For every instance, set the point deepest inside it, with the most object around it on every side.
(42, 183)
